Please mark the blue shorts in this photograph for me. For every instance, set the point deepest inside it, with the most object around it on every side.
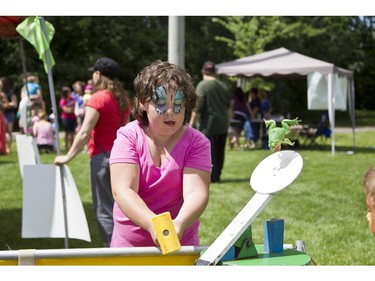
(10, 116)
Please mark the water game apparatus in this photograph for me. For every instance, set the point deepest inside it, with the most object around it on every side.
(234, 246)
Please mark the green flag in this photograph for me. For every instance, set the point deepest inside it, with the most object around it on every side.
(31, 30)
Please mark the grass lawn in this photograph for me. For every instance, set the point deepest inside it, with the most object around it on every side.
(325, 205)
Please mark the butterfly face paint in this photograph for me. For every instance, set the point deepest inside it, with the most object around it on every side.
(159, 98)
(178, 101)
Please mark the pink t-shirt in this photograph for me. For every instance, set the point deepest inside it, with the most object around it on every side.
(69, 102)
(159, 187)
(43, 132)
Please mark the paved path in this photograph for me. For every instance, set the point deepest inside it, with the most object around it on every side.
(357, 129)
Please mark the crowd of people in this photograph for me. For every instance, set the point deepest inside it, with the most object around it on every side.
(8, 109)
(247, 113)
(30, 108)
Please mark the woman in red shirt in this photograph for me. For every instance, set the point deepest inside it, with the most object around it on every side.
(107, 110)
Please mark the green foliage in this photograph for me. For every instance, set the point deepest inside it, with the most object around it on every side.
(135, 41)
(201, 45)
(132, 41)
(250, 35)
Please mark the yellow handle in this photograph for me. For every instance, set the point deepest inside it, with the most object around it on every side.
(166, 233)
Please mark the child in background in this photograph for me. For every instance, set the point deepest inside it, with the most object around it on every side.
(77, 94)
(68, 117)
(369, 185)
(55, 128)
(158, 163)
(3, 103)
(240, 114)
(87, 94)
(43, 133)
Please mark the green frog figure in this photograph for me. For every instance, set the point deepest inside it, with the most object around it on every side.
(278, 135)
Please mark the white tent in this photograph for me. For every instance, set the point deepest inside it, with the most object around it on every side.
(285, 62)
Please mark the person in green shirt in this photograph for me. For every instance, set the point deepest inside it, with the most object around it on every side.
(211, 115)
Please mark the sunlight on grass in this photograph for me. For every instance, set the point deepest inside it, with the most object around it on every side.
(325, 205)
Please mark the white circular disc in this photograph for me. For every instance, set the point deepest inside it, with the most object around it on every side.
(276, 172)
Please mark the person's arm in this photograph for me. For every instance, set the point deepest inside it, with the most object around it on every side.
(195, 192)
(39, 94)
(254, 111)
(35, 129)
(193, 119)
(68, 109)
(125, 185)
(4, 101)
(269, 111)
(83, 135)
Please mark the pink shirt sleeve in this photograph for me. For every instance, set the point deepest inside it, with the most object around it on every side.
(124, 147)
(199, 153)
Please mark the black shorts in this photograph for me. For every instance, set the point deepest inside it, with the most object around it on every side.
(69, 125)
(238, 120)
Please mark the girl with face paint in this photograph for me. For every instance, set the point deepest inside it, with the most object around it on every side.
(158, 163)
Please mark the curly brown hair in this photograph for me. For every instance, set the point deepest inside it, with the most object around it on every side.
(369, 183)
(157, 73)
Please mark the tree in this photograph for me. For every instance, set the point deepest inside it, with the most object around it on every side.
(344, 41)
(136, 41)
(201, 44)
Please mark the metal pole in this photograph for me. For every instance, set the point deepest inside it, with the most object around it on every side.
(51, 89)
(176, 40)
(54, 109)
(331, 110)
(98, 255)
(352, 109)
(22, 54)
(24, 72)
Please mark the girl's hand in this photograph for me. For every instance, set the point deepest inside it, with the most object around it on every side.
(178, 228)
(154, 237)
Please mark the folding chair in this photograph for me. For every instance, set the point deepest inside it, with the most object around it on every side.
(316, 135)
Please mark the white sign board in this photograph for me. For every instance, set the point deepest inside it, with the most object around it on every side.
(27, 151)
(43, 207)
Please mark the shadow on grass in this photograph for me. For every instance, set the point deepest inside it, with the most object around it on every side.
(236, 180)
(6, 162)
(327, 147)
(11, 233)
